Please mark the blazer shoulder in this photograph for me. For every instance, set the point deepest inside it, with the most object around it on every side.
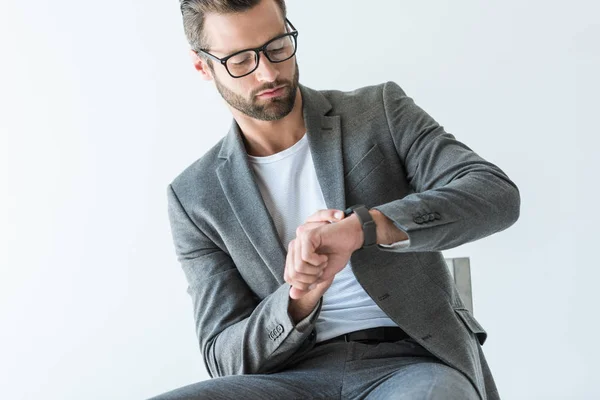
(199, 175)
(361, 99)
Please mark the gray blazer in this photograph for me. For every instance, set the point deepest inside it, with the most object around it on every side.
(372, 146)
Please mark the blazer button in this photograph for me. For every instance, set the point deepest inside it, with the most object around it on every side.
(279, 328)
(437, 215)
(431, 217)
(418, 220)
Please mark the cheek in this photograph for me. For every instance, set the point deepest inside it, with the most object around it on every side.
(289, 67)
(292, 70)
(238, 86)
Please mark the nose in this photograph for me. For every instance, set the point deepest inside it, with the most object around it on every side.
(266, 71)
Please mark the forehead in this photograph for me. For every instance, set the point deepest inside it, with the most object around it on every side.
(228, 33)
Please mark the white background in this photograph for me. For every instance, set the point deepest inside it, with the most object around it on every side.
(100, 109)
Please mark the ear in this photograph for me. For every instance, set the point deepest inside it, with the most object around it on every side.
(201, 66)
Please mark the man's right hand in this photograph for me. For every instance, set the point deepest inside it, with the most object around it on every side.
(302, 302)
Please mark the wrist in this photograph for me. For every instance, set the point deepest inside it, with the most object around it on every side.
(366, 233)
(298, 309)
(357, 234)
(387, 232)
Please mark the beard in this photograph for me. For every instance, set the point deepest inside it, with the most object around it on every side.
(271, 109)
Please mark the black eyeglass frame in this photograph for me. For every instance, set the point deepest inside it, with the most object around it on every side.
(293, 33)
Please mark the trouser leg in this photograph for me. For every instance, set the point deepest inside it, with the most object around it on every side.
(255, 387)
(401, 370)
(339, 370)
(316, 375)
(425, 381)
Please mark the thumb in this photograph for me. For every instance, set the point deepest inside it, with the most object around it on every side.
(296, 293)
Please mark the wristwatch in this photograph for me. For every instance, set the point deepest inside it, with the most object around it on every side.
(368, 225)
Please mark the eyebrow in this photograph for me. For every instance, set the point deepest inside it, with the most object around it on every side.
(247, 48)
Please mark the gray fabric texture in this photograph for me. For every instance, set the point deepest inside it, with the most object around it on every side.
(401, 370)
(372, 146)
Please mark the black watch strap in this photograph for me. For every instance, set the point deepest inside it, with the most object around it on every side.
(368, 225)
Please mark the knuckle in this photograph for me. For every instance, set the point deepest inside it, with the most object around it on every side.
(301, 268)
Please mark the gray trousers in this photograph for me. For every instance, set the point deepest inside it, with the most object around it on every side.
(339, 370)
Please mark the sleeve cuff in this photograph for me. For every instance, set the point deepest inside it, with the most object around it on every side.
(395, 246)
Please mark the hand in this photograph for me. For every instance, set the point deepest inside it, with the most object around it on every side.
(304, 273)
(320, 251)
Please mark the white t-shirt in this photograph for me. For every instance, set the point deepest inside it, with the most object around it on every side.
(288, 183)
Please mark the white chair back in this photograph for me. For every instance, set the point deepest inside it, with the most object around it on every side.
(460, 268)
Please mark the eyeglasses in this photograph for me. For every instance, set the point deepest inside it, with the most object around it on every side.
(245, 62)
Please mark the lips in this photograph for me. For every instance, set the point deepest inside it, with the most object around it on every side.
(271, 92)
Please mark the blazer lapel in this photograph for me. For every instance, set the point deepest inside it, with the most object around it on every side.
(241, 190)
(325, 142)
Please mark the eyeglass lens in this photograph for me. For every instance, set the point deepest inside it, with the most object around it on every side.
(276, 51)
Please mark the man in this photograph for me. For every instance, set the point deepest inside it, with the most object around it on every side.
(361, 305)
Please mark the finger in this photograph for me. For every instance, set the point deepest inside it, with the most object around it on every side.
(296, 293)
(289, 260)
(301, 281)
(306, 280)
(315, 272)
(327, 275)
(320, 278)
(306, 246)
(307, 226)
(309, 242)
(309, 269)
(326, 215)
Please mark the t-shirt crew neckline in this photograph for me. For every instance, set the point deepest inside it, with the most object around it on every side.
(282, 154)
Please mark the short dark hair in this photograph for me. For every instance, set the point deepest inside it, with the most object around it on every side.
(194, 11)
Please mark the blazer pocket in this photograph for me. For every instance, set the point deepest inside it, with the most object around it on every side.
(363, 167)
(472, 324)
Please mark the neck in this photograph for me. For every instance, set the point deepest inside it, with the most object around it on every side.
(263, 138)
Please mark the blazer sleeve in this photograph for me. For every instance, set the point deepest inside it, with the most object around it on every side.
(237, 332)
(458, 196)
